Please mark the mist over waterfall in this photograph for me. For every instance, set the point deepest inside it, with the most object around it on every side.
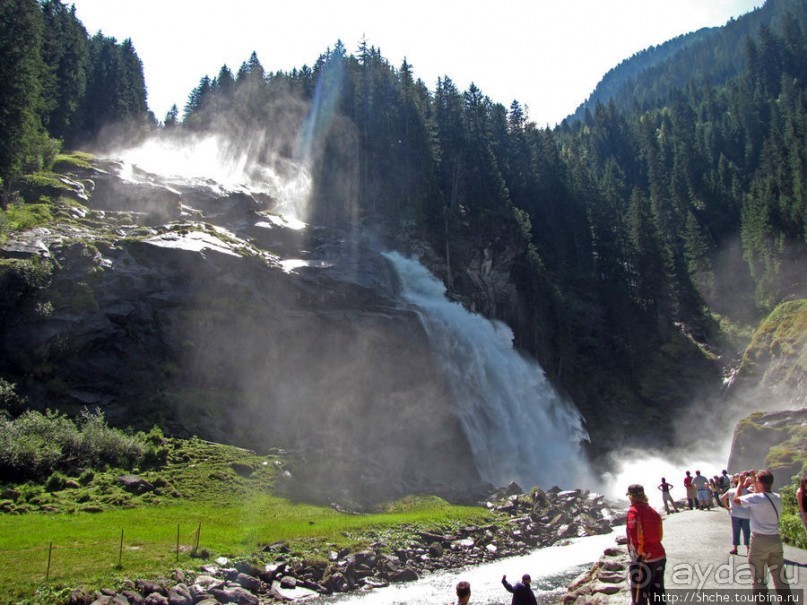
(224, 164)
(518, 427)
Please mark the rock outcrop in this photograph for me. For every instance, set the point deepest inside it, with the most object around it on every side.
(209, 315)
(771, 383)
(774, 365)
(775, 441)
(604, 583)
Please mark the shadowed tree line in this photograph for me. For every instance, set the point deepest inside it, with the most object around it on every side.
(59, 86)
(635, 224)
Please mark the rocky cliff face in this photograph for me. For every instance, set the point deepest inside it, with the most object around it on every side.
(773, 376)
(207, 314)
(776, 441)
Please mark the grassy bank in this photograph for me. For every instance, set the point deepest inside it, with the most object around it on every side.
(212, 501)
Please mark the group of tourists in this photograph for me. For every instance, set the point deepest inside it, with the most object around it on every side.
(701, 492)
(754, 510)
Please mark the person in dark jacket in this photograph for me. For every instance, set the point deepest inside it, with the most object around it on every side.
(522, 593)
(647, 556)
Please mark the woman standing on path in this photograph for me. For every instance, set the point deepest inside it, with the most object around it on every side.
(666, 497)
(648, 558)
(766, 552)
(740, 517)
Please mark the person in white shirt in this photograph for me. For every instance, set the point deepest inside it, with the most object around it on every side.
(701, 483)
(740, 517)
(766, 552)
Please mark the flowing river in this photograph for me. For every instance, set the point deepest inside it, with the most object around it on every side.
(551, 568)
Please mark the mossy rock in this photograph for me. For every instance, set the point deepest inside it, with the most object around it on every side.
(776, 441)
(67, 162)
(776, 358)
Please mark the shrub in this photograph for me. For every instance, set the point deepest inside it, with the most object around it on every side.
(107, 446)
(10, 401)
(86, 477)
(35, 445)
(56, 482)
(27, 450)
(790, 523)
(19, 217)
(155, 457)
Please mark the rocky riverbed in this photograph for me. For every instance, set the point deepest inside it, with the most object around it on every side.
(526, 521)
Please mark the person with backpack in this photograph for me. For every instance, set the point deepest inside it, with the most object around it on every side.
(766, 553)
(647, 556)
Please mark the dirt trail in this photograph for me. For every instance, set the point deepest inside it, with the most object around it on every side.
(698, 544)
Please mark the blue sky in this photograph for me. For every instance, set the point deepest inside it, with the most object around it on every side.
(547, 54)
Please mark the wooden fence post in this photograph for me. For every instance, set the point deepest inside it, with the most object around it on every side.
(120, 553)
(50, 555)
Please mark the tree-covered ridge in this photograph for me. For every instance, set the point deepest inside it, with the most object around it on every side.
(59, 86)
(709, 56)
(634, 224)
(632, 232)
(695, 167)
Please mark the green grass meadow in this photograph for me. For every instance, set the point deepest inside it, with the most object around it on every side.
(205, 510)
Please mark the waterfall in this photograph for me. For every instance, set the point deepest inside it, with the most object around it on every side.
(518, 427)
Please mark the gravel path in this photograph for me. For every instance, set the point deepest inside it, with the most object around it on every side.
(698, 543)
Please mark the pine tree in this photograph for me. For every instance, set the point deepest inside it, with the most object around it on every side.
(197, 99)
(251, 70)
(66, 54)
(649, 257)
(116, 89)
(172, 117)
(21, 71)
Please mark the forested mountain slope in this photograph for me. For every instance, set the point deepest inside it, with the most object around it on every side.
(632, 252)
(709, 56)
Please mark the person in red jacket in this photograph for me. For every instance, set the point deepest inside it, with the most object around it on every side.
(647, 555)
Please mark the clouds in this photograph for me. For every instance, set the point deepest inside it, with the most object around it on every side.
(547, 55)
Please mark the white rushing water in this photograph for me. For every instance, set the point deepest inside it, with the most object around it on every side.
(551, 569)
(224, 165)
(518, 427)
